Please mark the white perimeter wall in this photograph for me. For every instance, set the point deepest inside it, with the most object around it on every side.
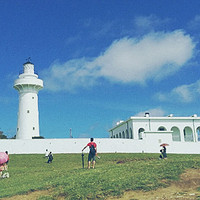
(108, 145)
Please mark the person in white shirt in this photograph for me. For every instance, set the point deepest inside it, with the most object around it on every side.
(46, 153)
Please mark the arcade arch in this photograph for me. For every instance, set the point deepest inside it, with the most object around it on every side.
(140, 131)
(131, 134)
(198, 133)
(123, 134)
(188, 134)
(162, 128)
(176, 136)
(127, 135)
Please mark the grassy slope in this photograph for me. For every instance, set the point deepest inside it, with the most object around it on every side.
(114, 173)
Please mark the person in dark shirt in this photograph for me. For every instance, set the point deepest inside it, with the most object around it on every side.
(164, 152)
(50, 156)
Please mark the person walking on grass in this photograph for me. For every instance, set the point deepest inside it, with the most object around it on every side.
(164, 152)
(46, 153)
(50, 156)
(93, 152)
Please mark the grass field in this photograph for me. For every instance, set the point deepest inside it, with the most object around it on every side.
(114, 174)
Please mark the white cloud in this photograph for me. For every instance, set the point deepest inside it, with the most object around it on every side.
(194, 24)
(72, 40)
(154, 112)
(154, 56)
(146, 23)
(68, 76)
(183, 93)
(128, 60)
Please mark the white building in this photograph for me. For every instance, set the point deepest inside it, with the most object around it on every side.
(28, 86)
(160, 129)
(135, 135)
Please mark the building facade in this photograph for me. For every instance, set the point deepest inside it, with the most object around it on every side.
(176, 129)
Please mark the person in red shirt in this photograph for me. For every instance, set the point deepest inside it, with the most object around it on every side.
(93, 152)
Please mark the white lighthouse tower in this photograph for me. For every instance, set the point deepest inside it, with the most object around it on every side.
(28, 86)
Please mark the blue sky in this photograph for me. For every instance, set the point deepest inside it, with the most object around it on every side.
(101, 61)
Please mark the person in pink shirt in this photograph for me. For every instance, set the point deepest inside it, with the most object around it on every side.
(93, 152)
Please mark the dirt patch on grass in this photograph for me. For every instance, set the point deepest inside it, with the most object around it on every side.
(31, 195)
(133, 160)
(184, 189)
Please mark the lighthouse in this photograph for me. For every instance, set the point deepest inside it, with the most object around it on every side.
(28, 84)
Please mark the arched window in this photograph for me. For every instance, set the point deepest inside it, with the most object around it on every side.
(127, 135)
(198, 133)
(116, 135)
(131, 134)
(140, 131)
(120, 135)
(188, 134)
(123, 134)
(176, 134)
(162, 128)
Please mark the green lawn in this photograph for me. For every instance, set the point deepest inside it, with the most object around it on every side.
(114, 174)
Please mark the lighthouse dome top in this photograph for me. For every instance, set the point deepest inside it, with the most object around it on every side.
(28, 68)
(28, 62)
(28, 79)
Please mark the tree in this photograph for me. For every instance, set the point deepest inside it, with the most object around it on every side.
(2, 136)
(14, 137)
